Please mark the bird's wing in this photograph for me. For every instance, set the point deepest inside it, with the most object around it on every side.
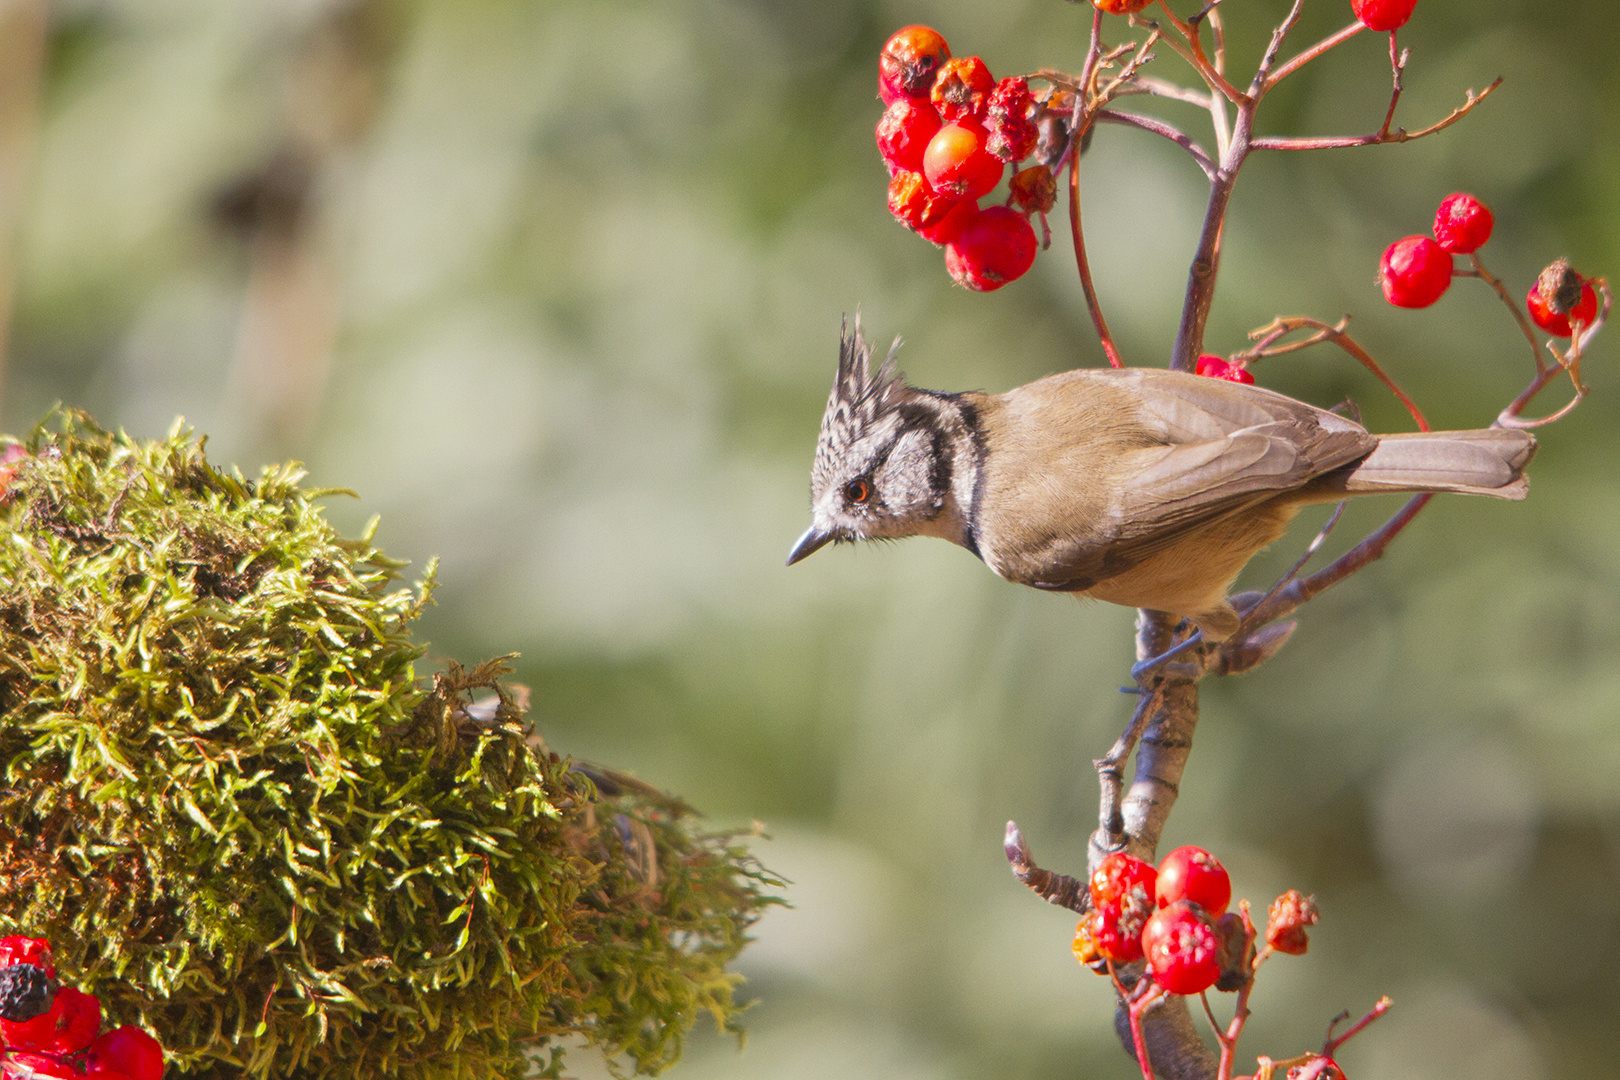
(1220, 444)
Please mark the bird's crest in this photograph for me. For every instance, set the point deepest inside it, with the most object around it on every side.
(860, 400)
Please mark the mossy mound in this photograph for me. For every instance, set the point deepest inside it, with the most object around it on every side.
(247, 823)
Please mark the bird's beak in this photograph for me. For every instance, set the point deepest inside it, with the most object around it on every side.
(812, 541)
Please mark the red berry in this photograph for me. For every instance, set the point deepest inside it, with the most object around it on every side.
(1415, 272)
(1116, 927)
(1556, 289)
(1119, 874)
(130, 1050)
(1120, 7)
(915, 203)
(1287, 922)
(101, 1072)
(962, 89)
(957, 164)
(903, 134)
(1383, 15)
(1216, 367)
(68, 1026)
(21, 1065)
(949, 226)
(910, 62)
(996, 247)
(1182, 949)
(16, 949)
(1462, 224)
(81, 1019)
(1191, 873)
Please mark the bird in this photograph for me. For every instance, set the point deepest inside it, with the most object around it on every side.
(1144, 487)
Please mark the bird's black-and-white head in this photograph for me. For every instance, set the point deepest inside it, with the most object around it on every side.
(883, 466)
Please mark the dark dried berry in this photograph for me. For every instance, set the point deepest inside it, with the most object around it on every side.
(1033, 190)
(25, 992)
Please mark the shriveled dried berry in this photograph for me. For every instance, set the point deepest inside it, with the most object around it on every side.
(1560, 298)
(25, 992)
(962, 89)
(1235, 951)
(1034, 191)
(915, 203)
(910, 63)
(1288, 921)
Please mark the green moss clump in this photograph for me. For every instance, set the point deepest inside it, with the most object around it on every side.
(247, 824)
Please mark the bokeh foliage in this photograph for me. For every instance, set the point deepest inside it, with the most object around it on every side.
(246, 821)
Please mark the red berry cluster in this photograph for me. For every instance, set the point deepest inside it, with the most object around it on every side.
(947, 136)
(1175, 917)
(53, 1031)
(1417, 270)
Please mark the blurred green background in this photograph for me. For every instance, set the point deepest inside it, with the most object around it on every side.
(556, 287)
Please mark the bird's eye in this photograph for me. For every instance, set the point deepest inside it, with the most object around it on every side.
(857, 491)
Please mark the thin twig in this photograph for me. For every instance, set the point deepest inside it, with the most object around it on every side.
(1194, 54)
(1152, 84)
(1261, 84)
(1398, 58)
(1111, 775)
(1379, 137)
(1158, 127)
(1337, 336)
(1079, 122)
(1333, 1044)
(1369, 550)
(1083, 264)
(1299, 61)
(1511, 417)
(1249, 622)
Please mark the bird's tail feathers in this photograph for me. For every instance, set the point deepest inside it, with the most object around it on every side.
(1487, 461)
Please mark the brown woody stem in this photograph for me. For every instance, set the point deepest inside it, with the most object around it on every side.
(1059, 889)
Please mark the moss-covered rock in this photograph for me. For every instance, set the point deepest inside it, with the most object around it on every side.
(247, 823)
